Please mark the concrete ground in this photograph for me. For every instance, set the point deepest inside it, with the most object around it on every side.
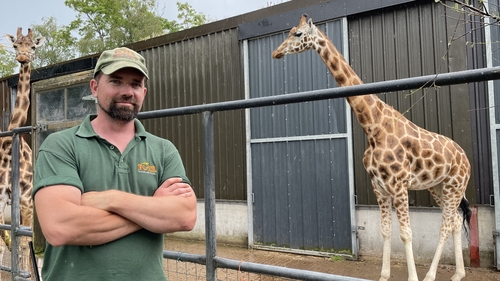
(367, 268)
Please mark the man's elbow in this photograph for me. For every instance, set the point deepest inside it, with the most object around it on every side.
(55, 238)
(190, 222)
(189, 219)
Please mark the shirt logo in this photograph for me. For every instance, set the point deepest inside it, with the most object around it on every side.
(146, 168)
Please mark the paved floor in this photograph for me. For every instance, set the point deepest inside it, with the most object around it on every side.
(366, 268)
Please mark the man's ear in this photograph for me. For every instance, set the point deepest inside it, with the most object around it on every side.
(93, 87)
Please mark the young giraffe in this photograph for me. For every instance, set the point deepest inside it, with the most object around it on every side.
(24, 47)
(400, 156)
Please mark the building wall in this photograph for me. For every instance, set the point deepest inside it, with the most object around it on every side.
(232, 228)
(409, 41)
(387, 39)
(200, 70)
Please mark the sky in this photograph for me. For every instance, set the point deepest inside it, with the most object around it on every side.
(34, 10)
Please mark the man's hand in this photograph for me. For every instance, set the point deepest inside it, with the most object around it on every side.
(174, 187)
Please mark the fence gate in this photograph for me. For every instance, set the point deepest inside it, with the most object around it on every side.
(301, 183)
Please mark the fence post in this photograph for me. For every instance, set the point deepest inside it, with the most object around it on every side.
(15, 211)
(209, 182)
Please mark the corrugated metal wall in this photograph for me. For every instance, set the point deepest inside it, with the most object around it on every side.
(5, 97)
(299, 152)
(204, 69)
(402, 41)
(493, 57)
(406, 42)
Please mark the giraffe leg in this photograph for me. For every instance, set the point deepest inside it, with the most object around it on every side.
(384, 202)
(2, 251)
(457, 241)
(3, 244)
(24, 251)
(451, 222)
(405, 233)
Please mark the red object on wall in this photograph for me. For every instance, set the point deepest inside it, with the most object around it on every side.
(474, 239)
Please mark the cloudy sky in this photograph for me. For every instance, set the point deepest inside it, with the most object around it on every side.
(33, 11)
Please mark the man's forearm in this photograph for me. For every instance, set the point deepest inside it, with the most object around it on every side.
(64, 221)
(159, 214)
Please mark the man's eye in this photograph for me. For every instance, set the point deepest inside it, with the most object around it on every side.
(298, 34)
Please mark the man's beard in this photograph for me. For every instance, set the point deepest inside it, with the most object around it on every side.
(122, 113)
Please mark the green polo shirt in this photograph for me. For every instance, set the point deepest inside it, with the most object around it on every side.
(79, 157)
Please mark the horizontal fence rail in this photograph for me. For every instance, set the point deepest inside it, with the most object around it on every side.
(213, 262)
(451, 78)
(251, 267)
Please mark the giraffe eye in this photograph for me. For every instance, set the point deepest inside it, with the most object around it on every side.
(298, 34)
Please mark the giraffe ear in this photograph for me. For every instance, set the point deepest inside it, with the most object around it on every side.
(11, 38)
(39, 41)
(310, 22)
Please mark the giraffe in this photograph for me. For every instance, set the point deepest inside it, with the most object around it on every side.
(400, 156)
(24, 47)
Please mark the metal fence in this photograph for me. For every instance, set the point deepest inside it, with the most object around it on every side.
(210, 260)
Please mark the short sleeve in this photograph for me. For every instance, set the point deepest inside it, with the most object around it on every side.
(173, 166)
(55, 168)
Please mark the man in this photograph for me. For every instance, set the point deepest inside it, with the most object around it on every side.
(106, 191)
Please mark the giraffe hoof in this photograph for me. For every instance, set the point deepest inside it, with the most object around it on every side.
(457, 277)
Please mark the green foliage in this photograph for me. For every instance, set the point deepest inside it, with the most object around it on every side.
(101, 25)
(58, 46)
(189, 17)
(336, 258)
(7, 62)
(105, 24)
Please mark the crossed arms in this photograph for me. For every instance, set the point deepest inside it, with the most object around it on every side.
(68, 217)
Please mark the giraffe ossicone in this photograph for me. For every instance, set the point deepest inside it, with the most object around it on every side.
(400, 157)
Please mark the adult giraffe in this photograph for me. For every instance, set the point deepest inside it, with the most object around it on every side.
(24, 47)
(400, 156)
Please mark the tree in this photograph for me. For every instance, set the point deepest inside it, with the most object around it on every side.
(105, 24)
(189, 17)
(7, 62)
(473, 8)
(59, 43)
(100, 25)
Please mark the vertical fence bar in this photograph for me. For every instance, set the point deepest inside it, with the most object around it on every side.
(15, 211)
(209, 180)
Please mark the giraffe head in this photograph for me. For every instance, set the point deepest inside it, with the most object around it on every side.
(25, 46)
(301, 38)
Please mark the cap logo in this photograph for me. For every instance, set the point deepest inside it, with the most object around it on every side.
(124, 53)
(112, 60)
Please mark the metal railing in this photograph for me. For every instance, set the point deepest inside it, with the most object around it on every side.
(15, 227)
(210, 259)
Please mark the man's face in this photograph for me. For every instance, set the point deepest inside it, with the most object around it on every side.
(120, 94)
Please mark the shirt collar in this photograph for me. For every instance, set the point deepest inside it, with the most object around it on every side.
(86, 130)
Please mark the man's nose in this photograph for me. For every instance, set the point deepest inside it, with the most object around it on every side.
(128, 89)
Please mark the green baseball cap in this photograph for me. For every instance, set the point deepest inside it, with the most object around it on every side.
(113, 60)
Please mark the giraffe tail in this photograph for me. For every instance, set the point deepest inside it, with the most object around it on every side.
(467, 213)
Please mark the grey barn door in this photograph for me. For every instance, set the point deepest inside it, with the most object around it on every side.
(299, 153)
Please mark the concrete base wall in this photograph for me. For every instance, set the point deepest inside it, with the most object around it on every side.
(231, 219)
(232, 228)
(425, 224)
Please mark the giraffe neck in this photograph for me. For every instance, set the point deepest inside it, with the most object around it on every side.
(368, 109)
(20, 114)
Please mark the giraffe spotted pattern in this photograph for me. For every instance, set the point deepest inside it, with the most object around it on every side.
(400, 156)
